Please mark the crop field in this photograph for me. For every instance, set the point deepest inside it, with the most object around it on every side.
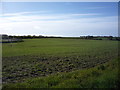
(43, 60)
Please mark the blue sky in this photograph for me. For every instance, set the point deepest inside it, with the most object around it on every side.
(59, 18)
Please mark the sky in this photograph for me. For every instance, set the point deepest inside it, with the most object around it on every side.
(71, 19)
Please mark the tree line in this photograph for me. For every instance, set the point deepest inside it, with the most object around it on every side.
(81, 37)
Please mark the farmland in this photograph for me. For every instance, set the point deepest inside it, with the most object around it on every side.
(42, 60)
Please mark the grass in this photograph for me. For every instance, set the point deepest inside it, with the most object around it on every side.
(88, 78)
(58, 47)
(60, 63)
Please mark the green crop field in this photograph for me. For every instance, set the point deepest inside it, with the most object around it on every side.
(60, 63)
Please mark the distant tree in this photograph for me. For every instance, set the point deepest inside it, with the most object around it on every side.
(29, 36)
(89, 37)
(40, 36)
(34, 36)
(110, 37)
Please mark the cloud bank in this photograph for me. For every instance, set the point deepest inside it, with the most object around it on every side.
(26, 23)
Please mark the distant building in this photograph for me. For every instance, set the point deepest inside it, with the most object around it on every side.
(6, 39)
(4, 36)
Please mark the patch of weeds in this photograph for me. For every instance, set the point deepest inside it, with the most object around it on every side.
(101, 67)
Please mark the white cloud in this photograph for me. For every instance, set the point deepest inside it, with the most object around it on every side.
(23, 13)
(20, 17)
(64, 25)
